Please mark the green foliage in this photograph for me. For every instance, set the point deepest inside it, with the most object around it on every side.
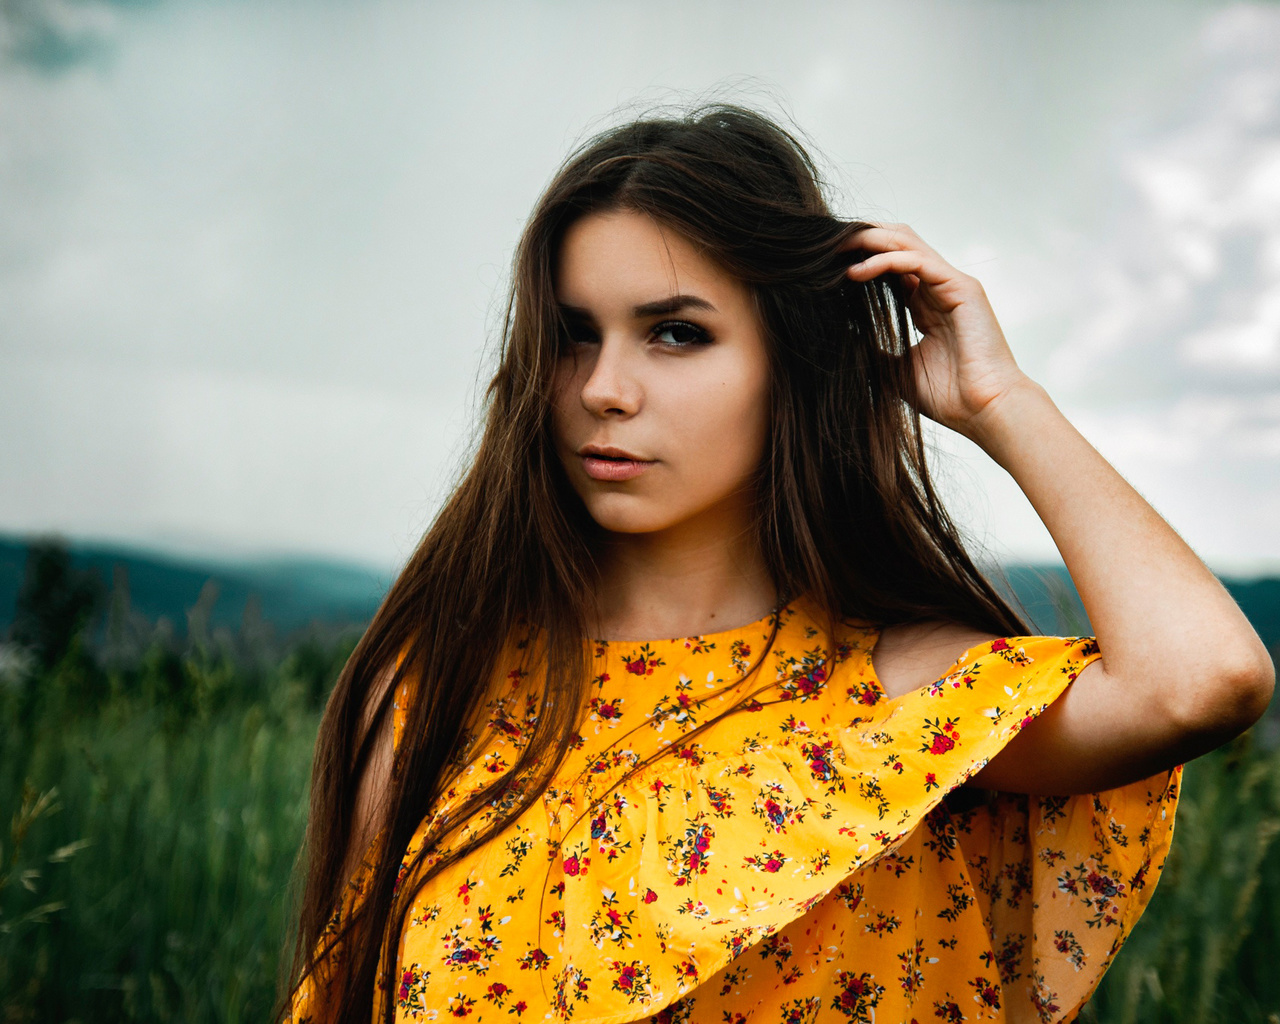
(55, 602)
(157, 796)
(1206, 950)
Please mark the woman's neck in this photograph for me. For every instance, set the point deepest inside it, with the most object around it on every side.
(683, 582)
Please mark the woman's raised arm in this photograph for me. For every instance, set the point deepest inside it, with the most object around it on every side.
(1181, 669)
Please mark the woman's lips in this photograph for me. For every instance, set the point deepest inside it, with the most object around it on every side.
(600, 468)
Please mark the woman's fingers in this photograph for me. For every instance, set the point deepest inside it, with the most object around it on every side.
(886, 237)
(881, 240)
(929, 268)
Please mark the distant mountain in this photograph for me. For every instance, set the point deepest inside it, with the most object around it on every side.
(287, 593)
(293, 593)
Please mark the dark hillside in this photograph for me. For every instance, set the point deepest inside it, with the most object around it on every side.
(287, 594)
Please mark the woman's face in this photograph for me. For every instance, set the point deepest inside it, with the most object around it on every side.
(661, 392)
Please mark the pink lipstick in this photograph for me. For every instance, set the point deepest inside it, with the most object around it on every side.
(611, 464)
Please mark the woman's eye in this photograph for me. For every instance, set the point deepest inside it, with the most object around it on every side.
(577, 334)
(679, 334)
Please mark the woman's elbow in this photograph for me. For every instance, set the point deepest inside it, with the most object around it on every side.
(1257, 685)
(1234, 698)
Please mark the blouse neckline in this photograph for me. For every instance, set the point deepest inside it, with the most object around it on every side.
(761, 624)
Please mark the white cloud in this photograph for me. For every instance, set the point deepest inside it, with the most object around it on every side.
(1188, 272)
(1174, 370)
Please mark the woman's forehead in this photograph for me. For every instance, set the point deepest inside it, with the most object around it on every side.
(627, 260)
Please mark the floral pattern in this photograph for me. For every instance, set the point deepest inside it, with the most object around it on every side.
(818, 826)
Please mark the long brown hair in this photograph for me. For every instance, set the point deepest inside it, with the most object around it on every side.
(846, 511)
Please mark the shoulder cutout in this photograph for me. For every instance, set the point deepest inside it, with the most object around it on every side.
(914, 654)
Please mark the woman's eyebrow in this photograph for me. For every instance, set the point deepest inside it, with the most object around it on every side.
(659, 307)
(673, 305)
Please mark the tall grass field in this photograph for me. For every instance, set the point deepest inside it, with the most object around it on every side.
(153, 797)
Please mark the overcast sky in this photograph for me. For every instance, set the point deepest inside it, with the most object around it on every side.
(251, 254)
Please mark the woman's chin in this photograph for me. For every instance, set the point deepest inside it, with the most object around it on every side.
(628, 517)
(629, 525)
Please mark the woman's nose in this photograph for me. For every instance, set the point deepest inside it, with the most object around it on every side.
(612, 386)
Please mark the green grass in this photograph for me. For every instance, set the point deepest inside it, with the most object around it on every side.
(155, 817)
(1208, 947)
(156, 806)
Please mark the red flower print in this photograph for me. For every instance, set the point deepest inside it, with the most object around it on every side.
(1102, 884)
(1000, 645)
(774, 812)
(949, 1012)
(571, 865)
(987, 993)
(463, 955)
(857, 996)
(637, 667)
(772, 864)
(507, 726)
(941, 744)
(535, 959)
(650, 896)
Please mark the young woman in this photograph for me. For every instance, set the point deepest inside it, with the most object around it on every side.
(853, 789)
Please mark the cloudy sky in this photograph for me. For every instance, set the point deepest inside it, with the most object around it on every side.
(252, 253)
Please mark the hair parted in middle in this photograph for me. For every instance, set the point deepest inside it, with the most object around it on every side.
(846, 512)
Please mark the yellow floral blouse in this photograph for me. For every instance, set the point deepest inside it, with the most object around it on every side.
(800, 860)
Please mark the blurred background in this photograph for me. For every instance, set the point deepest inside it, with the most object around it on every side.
(252, 259)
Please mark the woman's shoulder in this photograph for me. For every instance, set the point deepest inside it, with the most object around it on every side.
(910, 655)
(905, 657)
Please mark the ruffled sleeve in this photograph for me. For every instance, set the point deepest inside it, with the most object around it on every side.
(1061, 881)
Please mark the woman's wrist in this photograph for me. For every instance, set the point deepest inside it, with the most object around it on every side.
(1008, 423)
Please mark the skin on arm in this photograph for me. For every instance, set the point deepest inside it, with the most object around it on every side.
(1181, 670)
(311, 1003)
(376, 780)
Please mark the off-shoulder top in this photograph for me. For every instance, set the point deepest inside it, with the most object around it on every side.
(799, 860)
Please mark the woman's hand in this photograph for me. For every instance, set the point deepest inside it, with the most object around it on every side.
(963, 364)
